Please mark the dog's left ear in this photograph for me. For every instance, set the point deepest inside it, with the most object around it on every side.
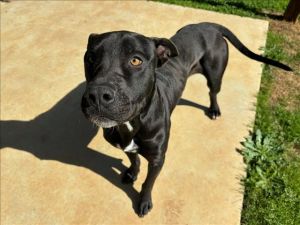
(91, 40)
(165, 49)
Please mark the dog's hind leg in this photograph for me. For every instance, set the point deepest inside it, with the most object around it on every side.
(214, 63)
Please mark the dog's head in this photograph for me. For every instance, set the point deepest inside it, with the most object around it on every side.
(120, 75)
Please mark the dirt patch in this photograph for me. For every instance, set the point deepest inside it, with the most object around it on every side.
(286, 86)
(173, 211)
(290, 30)
(291, 33)
(286, 89)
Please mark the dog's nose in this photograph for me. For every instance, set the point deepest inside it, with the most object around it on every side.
(101, 95)
(92, 96)
(107, 96)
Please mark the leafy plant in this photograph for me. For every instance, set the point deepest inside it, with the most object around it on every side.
(272, 184)
(263, 159)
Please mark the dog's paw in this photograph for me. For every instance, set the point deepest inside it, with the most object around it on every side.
(214, 113)
(129, 177)
(144, 207)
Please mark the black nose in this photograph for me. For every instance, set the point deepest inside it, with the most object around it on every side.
(101, 95)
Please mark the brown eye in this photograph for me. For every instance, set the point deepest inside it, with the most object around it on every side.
(135, 61)
(90, 57)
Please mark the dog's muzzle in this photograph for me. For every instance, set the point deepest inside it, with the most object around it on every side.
(103, 106)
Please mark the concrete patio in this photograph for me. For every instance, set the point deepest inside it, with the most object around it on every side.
(55, 166)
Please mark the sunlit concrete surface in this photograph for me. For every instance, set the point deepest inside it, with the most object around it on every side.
(56, 168)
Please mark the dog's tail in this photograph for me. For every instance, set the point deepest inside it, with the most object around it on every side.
(243, 49)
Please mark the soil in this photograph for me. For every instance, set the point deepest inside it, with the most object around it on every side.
(286, 86)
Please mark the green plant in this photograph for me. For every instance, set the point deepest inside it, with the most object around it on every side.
(272, 184)
(263, 159)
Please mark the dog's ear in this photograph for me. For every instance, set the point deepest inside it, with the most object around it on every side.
(165, 49)
(91, 40)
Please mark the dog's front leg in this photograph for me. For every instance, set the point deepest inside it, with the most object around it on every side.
(131, 173)
(154, 167)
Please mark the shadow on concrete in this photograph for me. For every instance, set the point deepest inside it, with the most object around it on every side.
(186, 102)
(63, 134)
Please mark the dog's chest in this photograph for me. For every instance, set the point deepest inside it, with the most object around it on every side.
(126, 132)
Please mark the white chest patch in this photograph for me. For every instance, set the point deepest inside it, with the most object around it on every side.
(128, 125)
(132, 147)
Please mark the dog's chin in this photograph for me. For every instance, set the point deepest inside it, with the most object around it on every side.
(103, 122)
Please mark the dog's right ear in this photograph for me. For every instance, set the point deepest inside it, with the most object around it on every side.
(165, 49)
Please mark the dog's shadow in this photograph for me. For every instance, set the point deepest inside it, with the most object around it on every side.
(186, 102)
(63, 134)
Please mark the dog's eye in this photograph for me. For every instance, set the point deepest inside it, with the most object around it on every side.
(90, 57)
(135, 61)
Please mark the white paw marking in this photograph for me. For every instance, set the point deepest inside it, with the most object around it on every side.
(132, 147)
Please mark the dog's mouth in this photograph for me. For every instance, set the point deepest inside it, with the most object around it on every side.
(104, 117)
(99, 119)
(103, 122)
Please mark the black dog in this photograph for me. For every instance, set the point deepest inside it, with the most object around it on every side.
(134, 82)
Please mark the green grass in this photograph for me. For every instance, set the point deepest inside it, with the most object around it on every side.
(272, 185)
(275, 119)
(272, 150)
(250, 8)
(276, 46)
